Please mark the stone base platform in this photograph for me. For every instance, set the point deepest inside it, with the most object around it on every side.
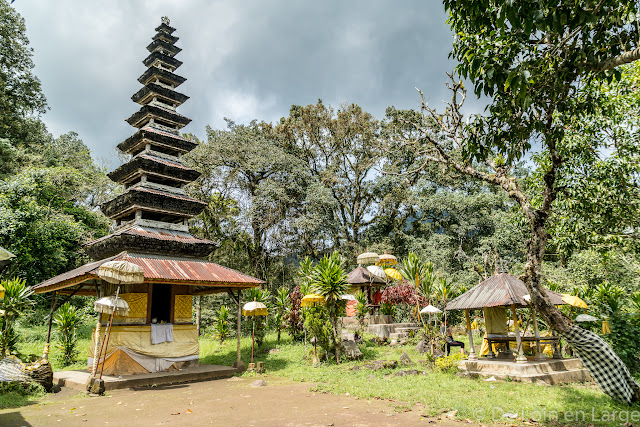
(78, 379)
(550, 371)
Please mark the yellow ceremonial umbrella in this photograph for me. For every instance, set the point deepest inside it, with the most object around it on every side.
(1, 291)
(254, 308)
(312, 299)
(387, 260)
(392, 273)
(574, 301)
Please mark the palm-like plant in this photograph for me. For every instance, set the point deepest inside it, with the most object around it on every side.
(609, 296)
(14, 303)
(444, 290)
(221, 323)
(282, 308)
(304, 271)
(635, 301)
(67, 320)
(329, 280)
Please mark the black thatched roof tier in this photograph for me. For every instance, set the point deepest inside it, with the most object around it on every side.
(148, 112)
(362, 276)
(146, 163)
(149, 135)
(166, 60)
(165, 28)
(162, 46)
(166, 95)
(150, 240)
(154, 73)
(166, 37)
(152, 200)
(502, 289)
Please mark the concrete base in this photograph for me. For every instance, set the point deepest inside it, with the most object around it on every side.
(392, 330)
(550, 371)
(368, 320)
(78, 379)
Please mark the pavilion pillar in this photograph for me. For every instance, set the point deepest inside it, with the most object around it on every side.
(521, 358)
(534, 320)
(239, 364)
(472, 350)
(54, 299)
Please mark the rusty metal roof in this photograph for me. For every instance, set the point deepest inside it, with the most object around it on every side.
(502, 289)
(362, 276)
(158, 269)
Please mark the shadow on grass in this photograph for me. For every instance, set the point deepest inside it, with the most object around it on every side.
(13, 419)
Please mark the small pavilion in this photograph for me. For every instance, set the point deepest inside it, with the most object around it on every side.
(494, 296)
(151, 230)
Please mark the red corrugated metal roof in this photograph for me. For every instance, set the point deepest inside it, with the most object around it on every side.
(158, 269)
(502, 289)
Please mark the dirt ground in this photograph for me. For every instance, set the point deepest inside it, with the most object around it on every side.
(229, 402)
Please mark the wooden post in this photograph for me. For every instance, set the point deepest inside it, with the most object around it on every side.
(239, 365)
(54, 299)
(472, 350)
(198, 313)
(521, 358)
(539, 355)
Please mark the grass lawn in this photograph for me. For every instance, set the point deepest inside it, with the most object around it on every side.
(433, 393)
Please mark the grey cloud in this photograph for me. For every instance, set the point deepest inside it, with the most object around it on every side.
(242, 59)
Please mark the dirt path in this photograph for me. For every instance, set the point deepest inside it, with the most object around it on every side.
(219, 402)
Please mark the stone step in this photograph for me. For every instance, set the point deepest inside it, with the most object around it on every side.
(551, 378)
(508, 367)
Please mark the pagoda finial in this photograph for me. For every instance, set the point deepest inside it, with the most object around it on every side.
(165, 20)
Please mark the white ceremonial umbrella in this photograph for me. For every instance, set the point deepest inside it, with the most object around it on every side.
(430, 309)
(585, 318)
(377, 271)
(348, 297)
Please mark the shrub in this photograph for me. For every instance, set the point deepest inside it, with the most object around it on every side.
(295, 320)
(448, 363)
(16, 301)
(624, 340)
(67, 319)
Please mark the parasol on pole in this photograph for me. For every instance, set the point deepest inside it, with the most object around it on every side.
(348, 297)
(431, 310)
(5, 258)
(387, 260)
(392, 273)
(574, 301)
(368, 258)
(377, 271)
(254, 308)
(585, 318)
(116, 272)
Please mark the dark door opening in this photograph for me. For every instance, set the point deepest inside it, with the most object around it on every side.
(161, 303)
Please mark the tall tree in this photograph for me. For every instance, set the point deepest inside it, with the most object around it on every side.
(248, 164)
(341, 150)
(530, 58)
(21, 97)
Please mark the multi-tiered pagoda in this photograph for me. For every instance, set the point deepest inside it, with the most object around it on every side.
(151, 231)
(151, 215)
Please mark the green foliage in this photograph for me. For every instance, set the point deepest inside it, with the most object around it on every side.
(67, 319)
(222, 323)
(624, 339)
(361, 309)
(15, 302)
(21, 96)
(449, 363)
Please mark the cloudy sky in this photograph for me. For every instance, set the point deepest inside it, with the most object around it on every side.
(243, 59)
